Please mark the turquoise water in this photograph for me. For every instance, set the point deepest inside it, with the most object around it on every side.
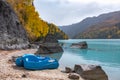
(104, 52)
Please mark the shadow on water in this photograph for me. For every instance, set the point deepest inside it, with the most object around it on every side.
(54, 55)
(78, 51)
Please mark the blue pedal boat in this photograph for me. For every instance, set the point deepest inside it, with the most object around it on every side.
(19, 60)
(33, 62)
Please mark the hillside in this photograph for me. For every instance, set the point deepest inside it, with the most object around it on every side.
(36, 28)
(105, 32)
(107, 29)
(74, 29)
(93, 25)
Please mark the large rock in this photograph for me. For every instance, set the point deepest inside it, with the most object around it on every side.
(47, 48)
(74, 76)
(68, 70)
(12, 33)
(50, 45)
(90, 72)
(81, 45)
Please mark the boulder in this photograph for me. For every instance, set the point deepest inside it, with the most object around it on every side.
(12, 33)
(78, 69)
(81, 45)
(50, 45)
(46, 48)
(68, 70)
(74, 76)
(91, 72)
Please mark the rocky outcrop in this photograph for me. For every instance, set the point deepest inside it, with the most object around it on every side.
(90, 72)
(81, 45)
(12, 33)
(50, 45)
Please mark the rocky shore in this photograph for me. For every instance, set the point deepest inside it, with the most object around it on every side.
(9, 71)
(13, 37)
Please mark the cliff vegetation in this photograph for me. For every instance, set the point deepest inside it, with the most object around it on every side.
(36, 27)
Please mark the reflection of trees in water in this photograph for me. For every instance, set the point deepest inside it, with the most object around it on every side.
(98, 55)
(104, 54)
(54, 55)
(79, 51)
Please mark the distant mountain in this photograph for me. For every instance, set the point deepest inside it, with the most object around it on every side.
(92, 25)
(105, 32)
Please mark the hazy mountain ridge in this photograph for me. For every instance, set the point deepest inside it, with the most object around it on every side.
(88, 24)
(109, 32)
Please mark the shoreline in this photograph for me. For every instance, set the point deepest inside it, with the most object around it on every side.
(9, 71)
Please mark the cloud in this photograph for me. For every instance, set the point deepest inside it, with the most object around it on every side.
(64, 12)
(97, 1)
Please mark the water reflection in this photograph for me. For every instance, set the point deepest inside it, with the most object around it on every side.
(79, 51)
(106, 54)
(102, 52)
(54, 55)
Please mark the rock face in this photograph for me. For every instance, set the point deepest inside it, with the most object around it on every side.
(49, 45)
(12, 33)
(90, 72)
(81, 45)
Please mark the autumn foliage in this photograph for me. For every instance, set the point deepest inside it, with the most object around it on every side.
(36, 28)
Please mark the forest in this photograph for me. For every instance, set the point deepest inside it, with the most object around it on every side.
(35, 27)
(111, 32)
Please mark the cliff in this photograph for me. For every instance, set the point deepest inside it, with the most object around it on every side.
(12, 33)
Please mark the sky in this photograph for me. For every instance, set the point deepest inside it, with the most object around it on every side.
(66, 12)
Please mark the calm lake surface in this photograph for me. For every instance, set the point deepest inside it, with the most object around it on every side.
(104, 52)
